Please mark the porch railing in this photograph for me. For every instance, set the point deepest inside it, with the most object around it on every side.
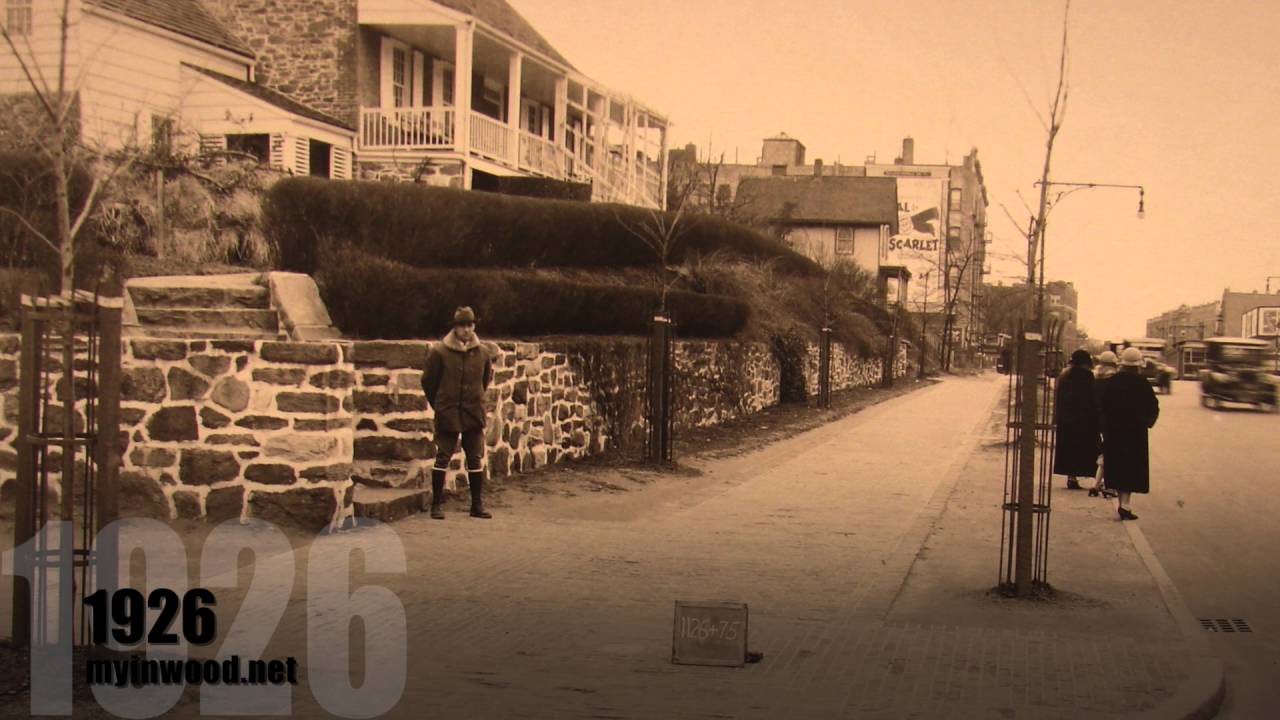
(537, 154)
(424, 127)
(490, 137)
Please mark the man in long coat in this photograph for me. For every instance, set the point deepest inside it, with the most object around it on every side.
(1076, 422)
(1129, 409)
(457, 374)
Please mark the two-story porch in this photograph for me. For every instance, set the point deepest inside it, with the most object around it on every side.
(464, 99)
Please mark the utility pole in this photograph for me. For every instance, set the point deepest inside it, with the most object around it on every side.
(924, 322)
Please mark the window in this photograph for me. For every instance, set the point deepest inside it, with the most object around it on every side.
(399, 77)
(17, 17)
(321, 156)
(844, 240)
(257, 144)
(446, 85)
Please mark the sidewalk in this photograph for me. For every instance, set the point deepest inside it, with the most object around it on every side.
(864, 550)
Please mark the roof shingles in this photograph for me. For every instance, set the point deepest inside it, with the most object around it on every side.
(185, 17)
(273, 97)
(501, 16)
(825, 200)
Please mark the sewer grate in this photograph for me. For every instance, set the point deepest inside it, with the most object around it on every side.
(1226, 625)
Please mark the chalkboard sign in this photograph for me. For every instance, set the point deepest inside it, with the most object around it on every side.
(709, 633)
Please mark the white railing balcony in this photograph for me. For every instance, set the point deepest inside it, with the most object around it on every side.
(491, 138)
(405, 128)
(539, 155)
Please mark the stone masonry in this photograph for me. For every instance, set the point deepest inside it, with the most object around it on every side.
(305, 49)
(238, 429)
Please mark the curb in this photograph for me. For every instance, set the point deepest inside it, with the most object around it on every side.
(1206, 687)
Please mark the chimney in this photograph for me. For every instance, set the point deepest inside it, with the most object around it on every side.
(908, 151)
(817, 167)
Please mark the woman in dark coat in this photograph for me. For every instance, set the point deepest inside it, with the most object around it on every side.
(458, 372)
(1129, 409)
(1076, 422)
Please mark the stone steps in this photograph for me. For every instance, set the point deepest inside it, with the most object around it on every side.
(389, 504)
(221, 317)
(210, 332)
(192, 296)
(216, 306)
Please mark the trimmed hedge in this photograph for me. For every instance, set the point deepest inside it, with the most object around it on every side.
(427, 226)
(538, 187)
(372, 297)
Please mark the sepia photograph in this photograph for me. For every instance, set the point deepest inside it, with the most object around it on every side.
(553, 359)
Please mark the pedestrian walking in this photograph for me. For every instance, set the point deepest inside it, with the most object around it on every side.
(457, 374)
(1129, 410)
(1075, 419)
(1102, 372)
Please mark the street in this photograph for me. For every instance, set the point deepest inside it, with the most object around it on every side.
(865, 549)
(1211, 518)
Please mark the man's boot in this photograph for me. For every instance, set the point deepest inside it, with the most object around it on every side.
(437, 494)
(476, 480)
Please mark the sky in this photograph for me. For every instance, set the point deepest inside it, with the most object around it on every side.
(1178, 96)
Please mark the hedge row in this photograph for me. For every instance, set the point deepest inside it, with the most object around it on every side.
(442, 227)
(372, 297)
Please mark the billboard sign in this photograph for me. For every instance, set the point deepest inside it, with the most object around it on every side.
(1261, 322)
(918, 245)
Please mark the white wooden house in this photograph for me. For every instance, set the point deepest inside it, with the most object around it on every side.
(526, 109)
(165, 71)
(456, 92)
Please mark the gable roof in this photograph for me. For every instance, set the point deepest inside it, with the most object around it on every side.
(273, 97)
(501, 16)
(848, 200)
(185, 17)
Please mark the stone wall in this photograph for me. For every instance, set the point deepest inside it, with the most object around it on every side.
(305, 49)
(222, 429)
(849, 370)
(430, 171)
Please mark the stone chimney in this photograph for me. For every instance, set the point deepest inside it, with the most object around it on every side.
(817, 167)
(908, 151)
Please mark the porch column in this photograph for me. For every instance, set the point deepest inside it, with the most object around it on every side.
(560, 130)
(464, 44)
(514, 71)
(663, 169)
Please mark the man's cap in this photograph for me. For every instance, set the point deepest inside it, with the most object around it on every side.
(464, 316)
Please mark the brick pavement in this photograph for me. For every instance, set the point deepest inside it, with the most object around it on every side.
(862, 549)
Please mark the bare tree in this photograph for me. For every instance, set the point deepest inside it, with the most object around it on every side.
(661, 232)
(57, 137)
(1057, 111)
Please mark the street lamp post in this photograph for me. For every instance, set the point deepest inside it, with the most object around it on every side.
(1039, 223)
(1031, 345)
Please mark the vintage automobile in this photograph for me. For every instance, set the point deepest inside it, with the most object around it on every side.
(1155, 370)
(1237, 372)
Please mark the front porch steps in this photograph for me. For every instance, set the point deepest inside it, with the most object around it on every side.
(253, 305)
(389, 504)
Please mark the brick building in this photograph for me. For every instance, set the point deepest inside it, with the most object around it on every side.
(1186, 322)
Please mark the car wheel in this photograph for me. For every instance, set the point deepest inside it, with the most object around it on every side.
(1204, 401)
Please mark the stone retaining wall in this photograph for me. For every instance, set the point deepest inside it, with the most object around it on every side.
(222, 429)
